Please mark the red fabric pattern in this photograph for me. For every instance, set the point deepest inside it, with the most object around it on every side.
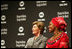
(61, 43)
(59, 22)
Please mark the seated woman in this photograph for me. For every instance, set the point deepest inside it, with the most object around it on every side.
(38, 41)
(60, 39)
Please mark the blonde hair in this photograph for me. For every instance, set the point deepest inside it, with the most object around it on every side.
(40, 25)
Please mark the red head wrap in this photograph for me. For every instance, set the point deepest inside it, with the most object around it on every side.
(59, 22)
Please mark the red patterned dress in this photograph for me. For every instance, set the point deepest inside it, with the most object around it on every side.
(61, 42)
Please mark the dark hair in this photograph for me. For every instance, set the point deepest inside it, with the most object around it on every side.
(40, 25)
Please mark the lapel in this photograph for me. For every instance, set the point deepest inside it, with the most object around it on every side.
(38, 39)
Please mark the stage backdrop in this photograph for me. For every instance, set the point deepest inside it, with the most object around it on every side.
(17, 18)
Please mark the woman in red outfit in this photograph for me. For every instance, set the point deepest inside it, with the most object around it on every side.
(60, 39)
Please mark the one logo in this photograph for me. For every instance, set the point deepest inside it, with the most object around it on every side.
(2, 42)
(21, 3)
(3, 17)
(41, 14)
(21, 29)
(63, 1)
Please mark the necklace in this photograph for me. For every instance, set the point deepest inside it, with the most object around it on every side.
(56, 36)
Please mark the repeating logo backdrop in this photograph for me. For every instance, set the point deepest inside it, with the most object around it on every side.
(17, 18)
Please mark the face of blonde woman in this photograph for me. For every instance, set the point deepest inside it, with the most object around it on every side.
(35, 29)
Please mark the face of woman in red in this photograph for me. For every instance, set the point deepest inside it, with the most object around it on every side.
(35, 29)
(51, 27)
